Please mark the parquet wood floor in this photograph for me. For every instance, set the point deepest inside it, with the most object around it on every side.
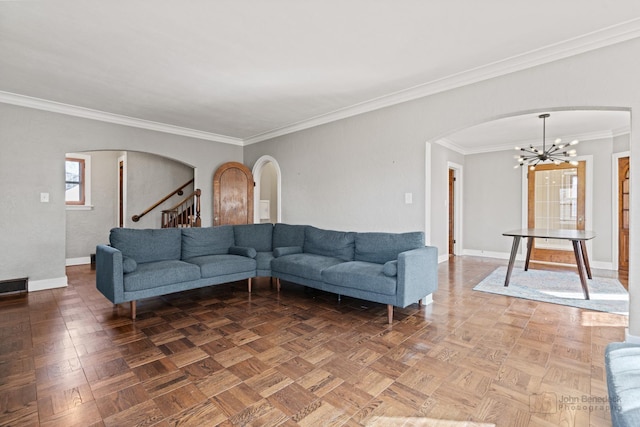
(219, 356)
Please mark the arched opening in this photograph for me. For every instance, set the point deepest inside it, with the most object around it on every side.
(268, 191)
(494, 192)
(122, 184)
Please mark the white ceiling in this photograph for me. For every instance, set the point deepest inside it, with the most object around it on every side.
(240, 71)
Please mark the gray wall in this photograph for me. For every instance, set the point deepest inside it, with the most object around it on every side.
(492, 200)
(34, 241)
(87, 228)
(352, 173)
(439, 167)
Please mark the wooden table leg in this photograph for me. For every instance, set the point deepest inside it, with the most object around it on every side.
(581, 267)
(529, 248)
(512, 258)
(583, 246)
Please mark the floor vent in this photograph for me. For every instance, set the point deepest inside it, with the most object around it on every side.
(13, 285)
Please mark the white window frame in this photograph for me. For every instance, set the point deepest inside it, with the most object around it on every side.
(87, 182)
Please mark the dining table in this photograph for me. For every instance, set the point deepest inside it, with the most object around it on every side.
(578, 240)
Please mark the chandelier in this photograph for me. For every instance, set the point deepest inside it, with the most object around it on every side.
(533, 156)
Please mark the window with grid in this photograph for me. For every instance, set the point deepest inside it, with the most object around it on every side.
(75, 181)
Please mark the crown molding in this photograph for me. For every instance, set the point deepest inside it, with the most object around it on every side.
(605, 37)
(447, 143)
(88, 113)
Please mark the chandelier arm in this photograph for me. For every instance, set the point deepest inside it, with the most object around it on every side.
(533, 156)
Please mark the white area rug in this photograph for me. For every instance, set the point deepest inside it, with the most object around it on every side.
(558, 287)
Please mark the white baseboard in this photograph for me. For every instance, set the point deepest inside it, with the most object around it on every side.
(78, 261)
(633, 339)
(443, 258)
(600, 265)
(41, 285)
(427, 300)
(490, 254)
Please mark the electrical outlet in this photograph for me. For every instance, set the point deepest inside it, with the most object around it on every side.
(44, 197)
(408, 198)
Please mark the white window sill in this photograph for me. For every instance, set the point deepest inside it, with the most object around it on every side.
(79, 207)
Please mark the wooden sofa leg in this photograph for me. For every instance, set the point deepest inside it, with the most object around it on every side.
(249, 284)
(133, 310)
(278, 285)
(390, 313)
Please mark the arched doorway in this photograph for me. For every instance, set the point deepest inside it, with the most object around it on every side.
(268, 190)
(495, 186)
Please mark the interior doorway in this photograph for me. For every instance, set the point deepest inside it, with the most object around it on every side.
(122, 188)
(452, 204)
(623, 214)
(268, 190)
(454, 211)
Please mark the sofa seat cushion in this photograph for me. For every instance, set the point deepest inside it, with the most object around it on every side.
(263, 260)
(160, 273)
(147, 245)
(365, 276)
(308, 266)
(220, 265)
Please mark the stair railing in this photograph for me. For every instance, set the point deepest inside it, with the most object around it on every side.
(184, 214)
(177, 191)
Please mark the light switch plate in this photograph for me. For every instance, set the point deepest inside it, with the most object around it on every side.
(408, 198)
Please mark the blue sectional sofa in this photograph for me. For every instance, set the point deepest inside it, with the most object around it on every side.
(395, 269)
(622, 362)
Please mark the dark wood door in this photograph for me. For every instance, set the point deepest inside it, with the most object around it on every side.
(623, 214)
(233, 195)
(452, 210)
(121, 194)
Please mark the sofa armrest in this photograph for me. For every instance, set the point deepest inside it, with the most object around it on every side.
(417, 275)
(109, 275)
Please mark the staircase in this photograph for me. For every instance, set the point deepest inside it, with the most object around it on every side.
(186, 213)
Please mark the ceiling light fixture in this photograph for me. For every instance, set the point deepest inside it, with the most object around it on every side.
(533, 156)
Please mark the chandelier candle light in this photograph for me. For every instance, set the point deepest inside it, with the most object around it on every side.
(533, 156)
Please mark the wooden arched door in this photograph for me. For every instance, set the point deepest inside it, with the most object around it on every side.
(623, 214)
(232, 195)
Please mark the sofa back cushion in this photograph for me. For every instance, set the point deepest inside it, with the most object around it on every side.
(287, 235)
(206, 241)
(336, 244)
(383, 247)
(256, 236)
(147, 245)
